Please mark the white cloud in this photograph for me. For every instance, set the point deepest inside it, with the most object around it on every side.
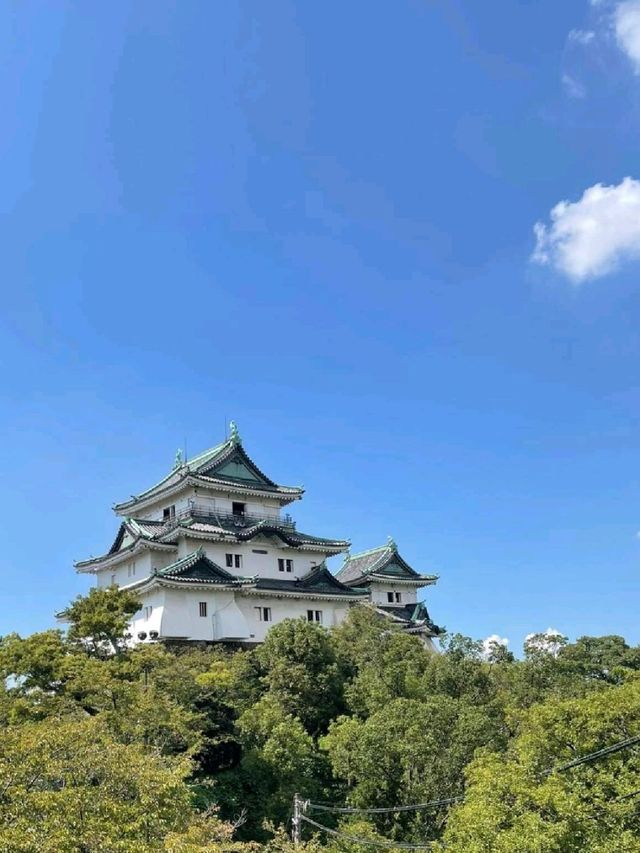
(493, 640)
(626, 22)
(549, 641)
(591, 237)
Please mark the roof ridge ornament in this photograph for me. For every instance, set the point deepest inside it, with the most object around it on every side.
(178, 462)
(391, 544)
(234, 435)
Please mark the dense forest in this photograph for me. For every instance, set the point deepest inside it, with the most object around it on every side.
(156, 748)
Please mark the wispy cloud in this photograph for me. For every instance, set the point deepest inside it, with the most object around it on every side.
(626, 22)
(574, 88)
(582, 36)
(591, 237)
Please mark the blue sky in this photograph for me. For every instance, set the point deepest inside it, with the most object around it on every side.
(318, 219)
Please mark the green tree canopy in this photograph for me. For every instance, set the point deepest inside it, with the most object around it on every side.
(513, 803)
(99, 621)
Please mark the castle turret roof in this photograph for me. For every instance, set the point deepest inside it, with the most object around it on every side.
(381, 564)
(227, 466)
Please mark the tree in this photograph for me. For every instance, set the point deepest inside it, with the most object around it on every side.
(98, 622)
(279, 759)
(606, 659)
(34, 662)
(513, 803)
(547, 643)
(301, 672)
(67, 785)
(208, 834)
(409, 751)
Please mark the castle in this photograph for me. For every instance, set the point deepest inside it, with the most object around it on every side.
(211, 556)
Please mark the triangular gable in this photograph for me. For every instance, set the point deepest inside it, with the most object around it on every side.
(237, 470)
(237, 467)
(124, 539)
(320, 579)
(396, 567)
(196, 567)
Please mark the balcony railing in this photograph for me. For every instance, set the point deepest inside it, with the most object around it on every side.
(229, 519)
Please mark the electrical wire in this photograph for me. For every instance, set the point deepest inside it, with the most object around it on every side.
(387, 810)
(584, 759)
(593, 756)
(401, 845)
(626, 796)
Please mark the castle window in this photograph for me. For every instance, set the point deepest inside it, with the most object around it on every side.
(314, 616)
(169, 512)
(263, 614)
(285, 565)
(398, 597)
(202, 606)
(238, 508)
(147, 611)
(233, 561)
(390, 597)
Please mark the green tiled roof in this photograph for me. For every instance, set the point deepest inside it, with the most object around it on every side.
(318, 580)
(413, 615)
(197, 568)
(383, 561)
(227, 463)
(223, 525)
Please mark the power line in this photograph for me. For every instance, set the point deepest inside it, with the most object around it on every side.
(584, 759)
(409, 808)
(370, 841)
(626, 796)
(593, 756)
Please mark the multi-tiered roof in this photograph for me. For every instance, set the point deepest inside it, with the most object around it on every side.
(226, 467)
(196, 569)
(385, 565)
(183, 499)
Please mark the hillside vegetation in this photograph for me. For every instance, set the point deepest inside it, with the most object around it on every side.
(106, 748)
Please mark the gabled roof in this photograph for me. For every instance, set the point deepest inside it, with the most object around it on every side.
(383, 563)
(412, 617)
(227, 465)
(132, 536)
(131, 530)
(196, 568)
(317, 581)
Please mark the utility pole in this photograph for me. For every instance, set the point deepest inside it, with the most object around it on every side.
(295, 820)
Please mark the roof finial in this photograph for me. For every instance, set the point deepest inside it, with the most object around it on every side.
(178, 460)
(391, 543)
(234, 434)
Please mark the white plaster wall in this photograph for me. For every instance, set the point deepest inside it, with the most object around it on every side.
(155, 599)
(214, 500)
(176, 614)
(230, 616)
(379, 593)
(287, 608)
(264, 565)
(120, 574)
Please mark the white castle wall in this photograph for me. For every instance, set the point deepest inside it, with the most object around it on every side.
(175, 613)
